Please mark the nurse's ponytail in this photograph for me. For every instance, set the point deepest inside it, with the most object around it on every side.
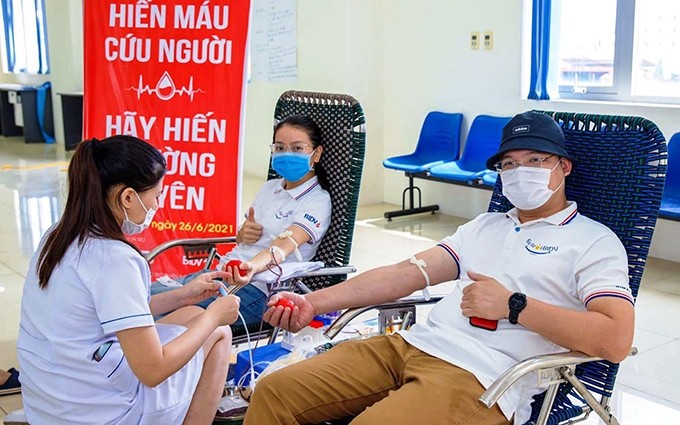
(97, 168)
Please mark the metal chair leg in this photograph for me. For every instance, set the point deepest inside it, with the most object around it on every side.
(389, 215)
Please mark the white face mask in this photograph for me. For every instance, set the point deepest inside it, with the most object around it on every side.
(527, 187)
(131, 228)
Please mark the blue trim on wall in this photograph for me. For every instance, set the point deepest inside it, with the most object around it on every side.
(7, 13)
(540, 49)
(41, 25)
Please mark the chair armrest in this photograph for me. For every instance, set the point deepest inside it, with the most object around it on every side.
(328, 271)
(350, 314)
(533, 364)
(325, 271)
(187, 242)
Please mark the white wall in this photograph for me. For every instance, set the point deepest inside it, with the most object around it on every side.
(339, 51)
(430, 66)
(400, 59)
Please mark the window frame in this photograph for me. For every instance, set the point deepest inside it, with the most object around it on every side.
(622, 82)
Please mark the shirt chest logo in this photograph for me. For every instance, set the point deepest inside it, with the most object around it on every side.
(283, 214)
(540, 249)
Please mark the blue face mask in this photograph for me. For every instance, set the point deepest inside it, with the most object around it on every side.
(292, 166)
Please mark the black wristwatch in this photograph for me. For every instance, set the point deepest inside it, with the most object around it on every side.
(516, 302)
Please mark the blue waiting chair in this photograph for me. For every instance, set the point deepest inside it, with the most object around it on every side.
(670, 203)
(482, 141)
(439, 142)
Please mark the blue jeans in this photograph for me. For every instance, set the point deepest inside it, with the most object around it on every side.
(253, 301)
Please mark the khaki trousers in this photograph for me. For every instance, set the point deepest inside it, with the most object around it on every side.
(381, 380)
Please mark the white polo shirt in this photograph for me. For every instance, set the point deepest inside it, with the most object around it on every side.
(308, 206)
(93, 293)
(565, 260)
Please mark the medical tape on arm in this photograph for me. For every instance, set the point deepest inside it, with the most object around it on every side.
(276, 250)
(288, 234)
(421, 264)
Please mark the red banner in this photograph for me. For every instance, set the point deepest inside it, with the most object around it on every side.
(172, 73)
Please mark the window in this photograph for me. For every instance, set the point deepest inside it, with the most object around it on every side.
(25, 36)
(656, 58)
(622, 50)
(584, 39)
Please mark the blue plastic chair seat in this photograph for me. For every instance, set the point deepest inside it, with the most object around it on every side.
(482, 142)
(670, 208)
(439, 141)
(411, 163)
(453, 171)
(670, 203)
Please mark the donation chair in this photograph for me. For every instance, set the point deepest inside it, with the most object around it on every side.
(342, 124)
(439, 142)
(618, 180)
(670, 203)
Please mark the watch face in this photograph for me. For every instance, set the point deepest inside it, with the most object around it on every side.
(517, 301)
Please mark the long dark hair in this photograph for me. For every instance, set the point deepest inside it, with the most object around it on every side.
(96, 167)
(313, 130)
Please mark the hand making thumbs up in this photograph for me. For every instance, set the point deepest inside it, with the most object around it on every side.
(251, 231)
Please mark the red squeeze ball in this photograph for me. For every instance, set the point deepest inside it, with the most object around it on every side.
(235, 264)
(285, 303)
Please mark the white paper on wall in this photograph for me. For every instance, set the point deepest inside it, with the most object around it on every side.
(273, 43)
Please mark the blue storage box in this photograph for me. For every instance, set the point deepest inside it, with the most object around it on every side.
(262, 356)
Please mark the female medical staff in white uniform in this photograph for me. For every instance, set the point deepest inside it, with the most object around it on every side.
(88, 347)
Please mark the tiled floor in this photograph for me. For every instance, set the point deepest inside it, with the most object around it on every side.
(31, 198)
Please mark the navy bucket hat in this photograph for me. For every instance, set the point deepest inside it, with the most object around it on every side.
(533, 131)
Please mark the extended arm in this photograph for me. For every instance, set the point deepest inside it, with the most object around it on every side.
(386, 283)
(280, 247)
(285, 248)
(375, 286)
(167, 301)
(307, 222)
(285, 241)
(202, 287)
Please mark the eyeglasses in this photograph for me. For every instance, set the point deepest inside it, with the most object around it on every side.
(509, 164)
(295, 147)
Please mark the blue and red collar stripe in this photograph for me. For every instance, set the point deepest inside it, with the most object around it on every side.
(306, 191)
(569, 218)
